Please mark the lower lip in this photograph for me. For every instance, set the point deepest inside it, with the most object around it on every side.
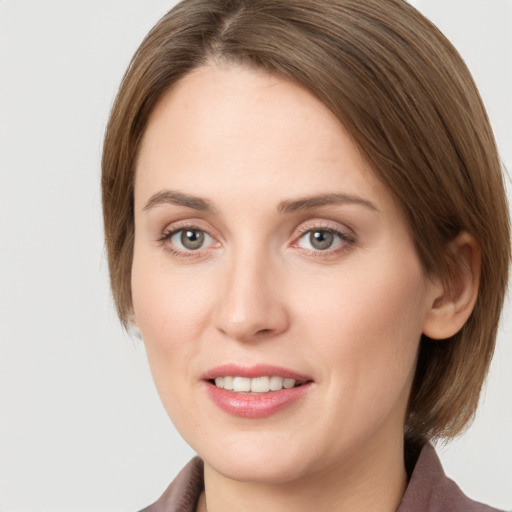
(246, 405)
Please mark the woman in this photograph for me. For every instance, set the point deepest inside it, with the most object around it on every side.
(305, 219)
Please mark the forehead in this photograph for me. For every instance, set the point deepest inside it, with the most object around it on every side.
(229, 126)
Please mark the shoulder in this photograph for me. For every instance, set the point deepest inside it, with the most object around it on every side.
(430, 490)
(184, 491)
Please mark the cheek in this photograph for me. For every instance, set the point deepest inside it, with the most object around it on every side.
(385, 297)
(366, 326)
(171, 311)
(169, 304)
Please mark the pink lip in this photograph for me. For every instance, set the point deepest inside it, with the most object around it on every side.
(259, 370)
(247, 405)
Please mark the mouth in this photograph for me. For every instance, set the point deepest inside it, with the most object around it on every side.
(257, 391)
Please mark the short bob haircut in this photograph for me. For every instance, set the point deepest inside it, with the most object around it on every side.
(406, 97)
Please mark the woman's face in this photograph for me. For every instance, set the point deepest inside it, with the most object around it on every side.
(265, 247)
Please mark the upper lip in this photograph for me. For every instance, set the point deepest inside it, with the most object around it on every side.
(257, 370)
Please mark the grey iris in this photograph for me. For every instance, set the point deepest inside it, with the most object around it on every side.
(321, 240)
(192, 239)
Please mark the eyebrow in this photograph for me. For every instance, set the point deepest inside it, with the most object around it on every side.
(305, 203)
(310, 202)
(178, 198)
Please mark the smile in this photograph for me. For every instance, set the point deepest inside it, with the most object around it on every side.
(257, 391)
(262, 384)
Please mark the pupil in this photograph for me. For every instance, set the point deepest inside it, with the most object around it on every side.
(321, 240)
(192, 239)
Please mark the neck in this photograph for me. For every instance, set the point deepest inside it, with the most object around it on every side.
(374, 480)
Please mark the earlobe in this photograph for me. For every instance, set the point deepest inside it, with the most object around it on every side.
(457, 295)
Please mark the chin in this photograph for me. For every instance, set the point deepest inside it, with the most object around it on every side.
(258, 460)
(257, 469)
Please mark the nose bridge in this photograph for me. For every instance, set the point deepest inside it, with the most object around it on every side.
(250, 304)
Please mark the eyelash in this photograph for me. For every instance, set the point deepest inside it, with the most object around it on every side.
(346, 241)
(169, 233)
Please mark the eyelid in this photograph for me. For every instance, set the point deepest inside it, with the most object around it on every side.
(193, 224)
(324, 225)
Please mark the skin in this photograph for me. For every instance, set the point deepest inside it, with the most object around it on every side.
(257, 291)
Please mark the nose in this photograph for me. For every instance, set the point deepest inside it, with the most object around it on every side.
(251, 302)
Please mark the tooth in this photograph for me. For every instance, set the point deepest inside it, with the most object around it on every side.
(257, 384)
(260, 384)
(288, 383)
(276, 383)
(241, 384)
(228, 383)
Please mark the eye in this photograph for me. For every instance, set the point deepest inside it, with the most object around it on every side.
(320, 239)
(189, 239)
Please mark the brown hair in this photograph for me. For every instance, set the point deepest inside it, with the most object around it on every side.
(408, 100)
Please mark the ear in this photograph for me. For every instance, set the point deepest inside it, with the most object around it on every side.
(455, 297)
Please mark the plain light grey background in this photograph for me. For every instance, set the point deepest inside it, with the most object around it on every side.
(81, 426)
